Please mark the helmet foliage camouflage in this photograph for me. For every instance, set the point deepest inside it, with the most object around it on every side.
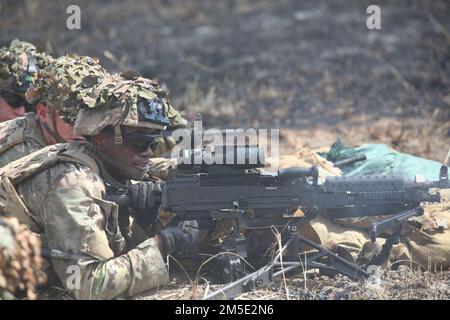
(176, 118)
(126, 101)
(67, 85)
(19, 64)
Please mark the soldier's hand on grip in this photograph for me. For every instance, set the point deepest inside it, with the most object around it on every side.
(182, 239)
(143, 199)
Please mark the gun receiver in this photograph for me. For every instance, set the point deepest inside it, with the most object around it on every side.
(254, 200)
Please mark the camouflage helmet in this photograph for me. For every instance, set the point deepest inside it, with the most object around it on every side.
(126, 101)
(176, 118)
(19, 64)
(67, 85)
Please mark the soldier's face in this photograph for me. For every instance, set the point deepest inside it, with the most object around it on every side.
(8, 112)
(132, 161)
(64, 129)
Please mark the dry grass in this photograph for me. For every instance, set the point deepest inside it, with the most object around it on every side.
(421, 137)
(307, 67)
(405, 283)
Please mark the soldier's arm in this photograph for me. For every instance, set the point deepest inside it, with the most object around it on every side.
(78, 221)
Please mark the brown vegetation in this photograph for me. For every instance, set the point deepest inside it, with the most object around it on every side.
(310, 68)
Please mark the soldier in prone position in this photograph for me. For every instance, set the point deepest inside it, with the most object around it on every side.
(60, 193)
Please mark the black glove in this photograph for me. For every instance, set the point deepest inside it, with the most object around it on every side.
(181, 240)
(143, 199)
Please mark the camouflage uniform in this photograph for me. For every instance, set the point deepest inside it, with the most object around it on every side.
(63, 191)
(19, 137)
(19, 64)
(61, 87)
(19, 260)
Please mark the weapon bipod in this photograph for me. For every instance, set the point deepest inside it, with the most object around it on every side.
(306, 260)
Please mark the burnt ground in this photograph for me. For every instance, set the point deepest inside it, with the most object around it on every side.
(294, 65)
(311, 68)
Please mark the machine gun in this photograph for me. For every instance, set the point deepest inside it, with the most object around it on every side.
(209, 192)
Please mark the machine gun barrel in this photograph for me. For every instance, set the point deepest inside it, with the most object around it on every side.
(258, 200)
(201, 194)
(357, 158)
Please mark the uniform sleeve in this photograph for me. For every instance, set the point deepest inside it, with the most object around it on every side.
(77, 221)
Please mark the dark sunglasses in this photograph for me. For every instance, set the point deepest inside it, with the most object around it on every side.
(141, 143)
(14, 100)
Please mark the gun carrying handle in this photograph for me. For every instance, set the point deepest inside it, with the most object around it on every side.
(297, 172)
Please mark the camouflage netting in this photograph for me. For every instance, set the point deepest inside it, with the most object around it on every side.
(67, 84)
(20, 260)
(115, 103)
(176, 118)
(16, 72)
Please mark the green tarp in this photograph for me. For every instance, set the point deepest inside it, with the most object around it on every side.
(382, 159)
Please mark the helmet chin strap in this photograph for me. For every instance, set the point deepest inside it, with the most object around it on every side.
(118, 139)
(53, 132)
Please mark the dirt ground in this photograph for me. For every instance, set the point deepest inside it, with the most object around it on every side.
(310, 68)
(401, 284)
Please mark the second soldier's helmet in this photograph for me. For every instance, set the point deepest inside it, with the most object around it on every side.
(126, 101)
(19, 65)
(67, 85)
